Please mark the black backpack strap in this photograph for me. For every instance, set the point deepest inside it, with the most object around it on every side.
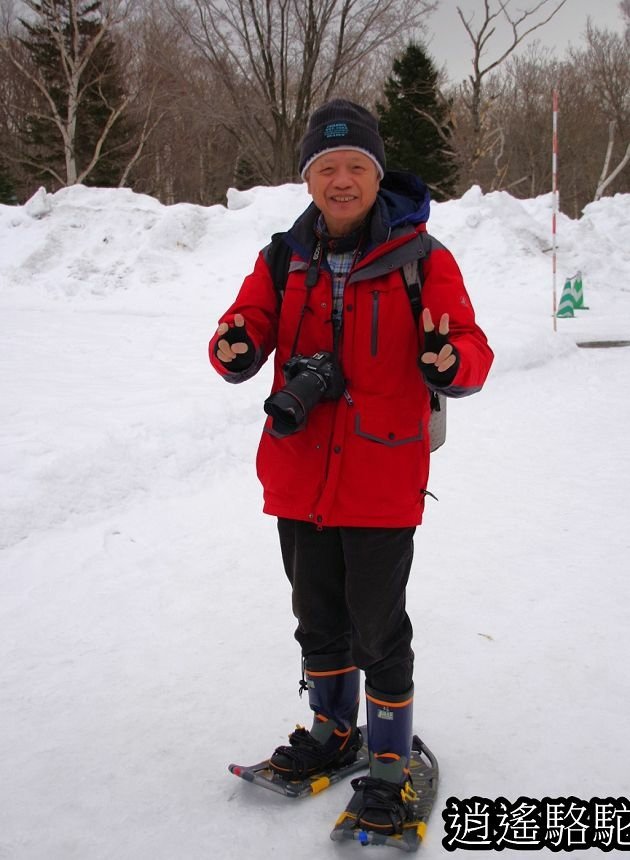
(278, 257)
(413, 276)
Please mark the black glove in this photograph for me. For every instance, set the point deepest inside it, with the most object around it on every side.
(434, 342)
(237, 334)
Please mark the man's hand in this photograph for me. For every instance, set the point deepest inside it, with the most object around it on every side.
(439, 361)
(235, 348)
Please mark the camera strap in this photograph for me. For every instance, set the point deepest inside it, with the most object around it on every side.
(312, 276)
(312, 273)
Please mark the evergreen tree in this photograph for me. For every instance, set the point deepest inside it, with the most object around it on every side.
(246, 175)
(105, 89)
(62, 29)
(7, 191)
(414, 122)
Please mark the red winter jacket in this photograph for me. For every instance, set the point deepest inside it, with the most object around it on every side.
(362, 460)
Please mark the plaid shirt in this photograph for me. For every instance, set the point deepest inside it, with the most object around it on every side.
(340, 265)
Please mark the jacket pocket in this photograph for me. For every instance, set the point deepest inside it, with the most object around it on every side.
(378, 432)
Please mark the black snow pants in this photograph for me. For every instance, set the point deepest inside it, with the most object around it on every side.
(349, 596)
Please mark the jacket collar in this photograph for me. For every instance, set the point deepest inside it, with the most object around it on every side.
(402, 204)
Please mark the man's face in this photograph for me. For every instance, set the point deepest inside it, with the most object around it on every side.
(343, 184)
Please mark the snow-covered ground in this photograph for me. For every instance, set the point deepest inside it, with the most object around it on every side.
(145, 624)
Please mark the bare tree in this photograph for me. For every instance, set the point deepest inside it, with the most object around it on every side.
(608, 176)
(189, 155)
(277, 59)
(606, 62)
(520, 121)
(482, 138)
(594, 85)
(75, 48)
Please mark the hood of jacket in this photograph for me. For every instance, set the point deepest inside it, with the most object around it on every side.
(403, 198)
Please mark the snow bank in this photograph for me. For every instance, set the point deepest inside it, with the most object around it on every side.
(146, 625)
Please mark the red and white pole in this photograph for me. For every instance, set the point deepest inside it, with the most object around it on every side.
(554, 202)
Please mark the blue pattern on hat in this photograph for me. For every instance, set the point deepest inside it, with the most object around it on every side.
(336, 129)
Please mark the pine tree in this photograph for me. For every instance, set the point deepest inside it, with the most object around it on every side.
(7, 191)
(55, 31)
(414, 122)
(106, 89)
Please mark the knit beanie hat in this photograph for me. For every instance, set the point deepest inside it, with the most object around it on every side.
(340, 124)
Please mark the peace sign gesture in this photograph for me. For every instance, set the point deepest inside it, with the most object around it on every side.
(439, 354)
(235, 348)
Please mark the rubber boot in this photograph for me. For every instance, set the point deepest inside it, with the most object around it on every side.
(390, 735)
(333, 693)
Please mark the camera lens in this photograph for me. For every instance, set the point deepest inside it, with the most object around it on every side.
(285, 409)
(290, 406)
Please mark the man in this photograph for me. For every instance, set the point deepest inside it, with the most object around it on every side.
(344, 456)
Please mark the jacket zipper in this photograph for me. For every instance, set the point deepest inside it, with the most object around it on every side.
(375, 309)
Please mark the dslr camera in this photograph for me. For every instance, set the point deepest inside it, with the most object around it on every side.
(309, 379)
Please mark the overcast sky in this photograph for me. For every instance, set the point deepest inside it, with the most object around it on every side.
(451, 45)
